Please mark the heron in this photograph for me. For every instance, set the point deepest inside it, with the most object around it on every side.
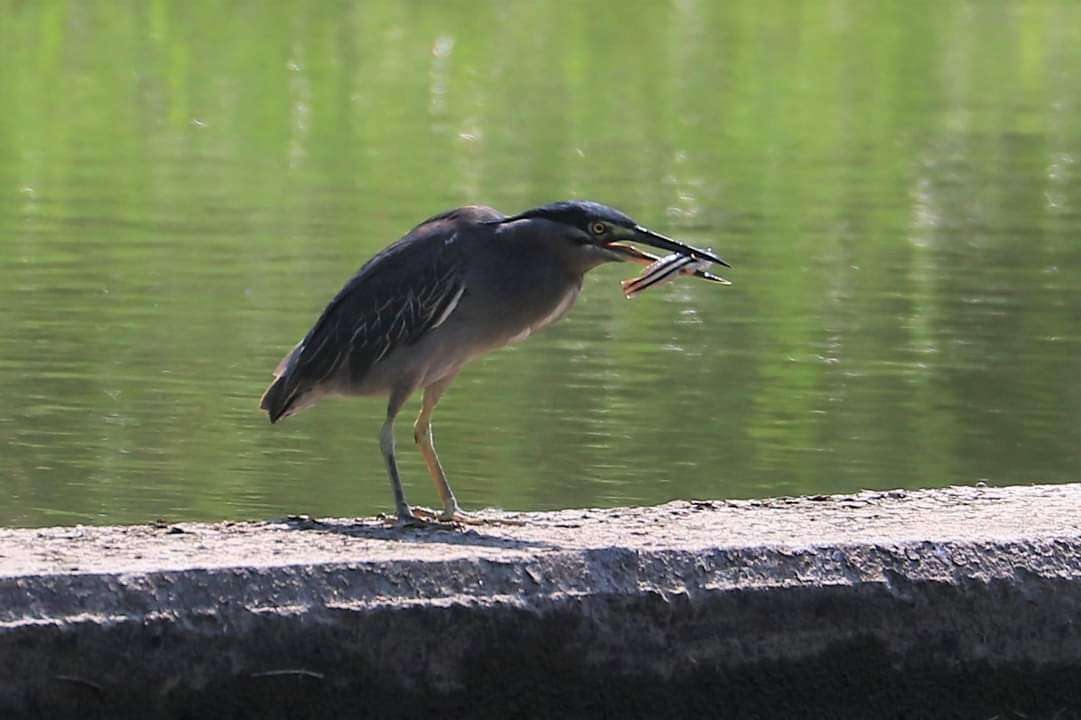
(458, 285)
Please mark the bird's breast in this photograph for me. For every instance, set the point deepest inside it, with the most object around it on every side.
(552, 314)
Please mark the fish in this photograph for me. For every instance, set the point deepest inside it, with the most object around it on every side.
(662, 270)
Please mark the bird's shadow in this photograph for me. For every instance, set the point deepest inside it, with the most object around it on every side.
(434, 535)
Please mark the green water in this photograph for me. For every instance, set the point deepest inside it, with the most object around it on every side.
(183, 186)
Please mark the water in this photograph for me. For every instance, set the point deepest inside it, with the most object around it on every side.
(184, 185)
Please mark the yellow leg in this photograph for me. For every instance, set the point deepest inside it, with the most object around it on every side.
(422, 433)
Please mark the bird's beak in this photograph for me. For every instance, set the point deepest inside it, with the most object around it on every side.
(629, 253)
(648, 237)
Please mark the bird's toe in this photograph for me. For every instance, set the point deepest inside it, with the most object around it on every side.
(419, 518)
(457, 515)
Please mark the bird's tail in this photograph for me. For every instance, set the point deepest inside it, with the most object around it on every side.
(277, 399)
(281, 395)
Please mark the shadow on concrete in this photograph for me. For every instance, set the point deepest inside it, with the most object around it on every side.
(435, 534)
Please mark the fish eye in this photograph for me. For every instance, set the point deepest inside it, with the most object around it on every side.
(598, 228)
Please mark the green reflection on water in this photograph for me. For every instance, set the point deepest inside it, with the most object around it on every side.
(183, 185)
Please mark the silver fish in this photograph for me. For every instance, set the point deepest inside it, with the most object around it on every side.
(667, 268)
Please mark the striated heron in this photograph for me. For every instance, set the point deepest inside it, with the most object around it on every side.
(456, 286)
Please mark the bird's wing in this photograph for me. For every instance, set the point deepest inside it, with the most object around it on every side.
(396, 298)
(402, 293)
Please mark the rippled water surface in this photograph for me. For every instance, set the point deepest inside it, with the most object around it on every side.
(183, 186)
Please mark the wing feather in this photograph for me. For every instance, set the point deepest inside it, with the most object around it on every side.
(405, 291)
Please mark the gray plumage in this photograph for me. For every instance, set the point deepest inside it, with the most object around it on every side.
(393, 300)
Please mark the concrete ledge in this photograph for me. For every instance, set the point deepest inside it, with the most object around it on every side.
(963, 602)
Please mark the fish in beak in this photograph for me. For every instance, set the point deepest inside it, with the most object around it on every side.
(665, 269)
(684, 260)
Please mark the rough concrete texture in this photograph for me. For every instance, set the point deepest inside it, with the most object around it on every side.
(962, 602)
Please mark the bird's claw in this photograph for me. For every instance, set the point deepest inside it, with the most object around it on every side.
(460, 517)
(424, 518)
(418, 518)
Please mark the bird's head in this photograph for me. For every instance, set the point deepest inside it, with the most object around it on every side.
(598, 233)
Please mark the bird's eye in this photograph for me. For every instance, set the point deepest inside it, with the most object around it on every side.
(598, 228)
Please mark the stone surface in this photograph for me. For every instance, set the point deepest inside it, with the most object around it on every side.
(958, 602)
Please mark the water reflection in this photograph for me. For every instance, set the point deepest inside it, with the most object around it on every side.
(183, 186)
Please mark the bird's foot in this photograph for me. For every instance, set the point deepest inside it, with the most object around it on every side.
(460, 517)
(418, 518)
(450, 519)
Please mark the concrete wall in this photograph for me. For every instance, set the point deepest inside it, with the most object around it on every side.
(963, 602)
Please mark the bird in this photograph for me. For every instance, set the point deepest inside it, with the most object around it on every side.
(458, 285)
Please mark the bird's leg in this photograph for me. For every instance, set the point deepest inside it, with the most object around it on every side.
(422, 433)
(406, 516)
(387, 445)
